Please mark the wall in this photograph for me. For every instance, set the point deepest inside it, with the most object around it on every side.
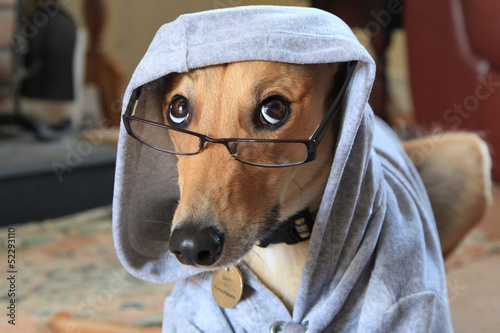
(132, 24)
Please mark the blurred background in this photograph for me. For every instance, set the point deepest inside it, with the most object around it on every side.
(64, 66)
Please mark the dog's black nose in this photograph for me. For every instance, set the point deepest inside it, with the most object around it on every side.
(198, 247)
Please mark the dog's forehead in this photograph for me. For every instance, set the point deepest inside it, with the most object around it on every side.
(231, 93)
(248, 77)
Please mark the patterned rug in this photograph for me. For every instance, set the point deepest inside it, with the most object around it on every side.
(69, 264)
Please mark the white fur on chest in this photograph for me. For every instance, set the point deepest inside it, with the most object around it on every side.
(279, 267)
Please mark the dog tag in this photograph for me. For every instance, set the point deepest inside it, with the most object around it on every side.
(227, 287)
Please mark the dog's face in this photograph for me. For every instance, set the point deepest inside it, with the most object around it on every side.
(225, 205)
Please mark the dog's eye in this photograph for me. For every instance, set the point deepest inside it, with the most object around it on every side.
(178, 111)
(273, 111)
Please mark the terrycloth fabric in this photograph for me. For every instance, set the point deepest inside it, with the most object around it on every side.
(374, 263)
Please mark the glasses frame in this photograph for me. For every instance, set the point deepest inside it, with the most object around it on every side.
(311, 144)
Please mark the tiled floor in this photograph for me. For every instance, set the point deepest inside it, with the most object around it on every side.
(473, 276)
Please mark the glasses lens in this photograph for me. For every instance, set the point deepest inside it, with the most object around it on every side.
(167, 140)
(270, 153)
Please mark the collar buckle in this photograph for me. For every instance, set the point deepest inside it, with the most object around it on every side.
(296, 229)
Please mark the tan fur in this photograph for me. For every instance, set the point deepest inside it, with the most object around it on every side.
(455, 169)
(215, 188)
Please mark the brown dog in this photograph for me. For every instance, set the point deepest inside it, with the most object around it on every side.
(245, 200)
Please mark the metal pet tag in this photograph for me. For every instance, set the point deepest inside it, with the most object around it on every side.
(227, 287)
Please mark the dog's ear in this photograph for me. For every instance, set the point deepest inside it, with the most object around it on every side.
(338, 72)
(169, 82)
(331, 67)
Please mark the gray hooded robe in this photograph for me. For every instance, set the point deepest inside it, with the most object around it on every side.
(374, 263)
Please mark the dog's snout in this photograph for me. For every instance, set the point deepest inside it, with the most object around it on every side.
(197, 247)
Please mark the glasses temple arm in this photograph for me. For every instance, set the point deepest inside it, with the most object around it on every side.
(133, 102)
(333, 111)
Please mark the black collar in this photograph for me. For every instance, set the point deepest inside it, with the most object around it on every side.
(296, 229)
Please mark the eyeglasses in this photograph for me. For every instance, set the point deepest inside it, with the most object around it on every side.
(257, 152)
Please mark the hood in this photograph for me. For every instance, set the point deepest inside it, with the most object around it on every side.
(358, 202)
(146, 187)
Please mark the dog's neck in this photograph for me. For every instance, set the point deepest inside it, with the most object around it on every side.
(279, 266)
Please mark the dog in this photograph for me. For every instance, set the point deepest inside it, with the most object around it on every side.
(236, 204)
